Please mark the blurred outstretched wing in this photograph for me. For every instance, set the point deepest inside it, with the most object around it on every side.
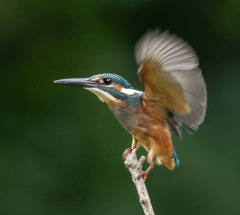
(168, 68)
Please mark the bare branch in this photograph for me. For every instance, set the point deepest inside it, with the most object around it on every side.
(134, 166)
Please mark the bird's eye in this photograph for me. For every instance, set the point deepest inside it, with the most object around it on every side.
(107, 81)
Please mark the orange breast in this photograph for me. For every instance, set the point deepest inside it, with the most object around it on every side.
(153, 134)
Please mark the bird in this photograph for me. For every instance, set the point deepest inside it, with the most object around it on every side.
(174, 96)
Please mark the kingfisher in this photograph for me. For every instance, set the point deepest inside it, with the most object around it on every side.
(174, 96)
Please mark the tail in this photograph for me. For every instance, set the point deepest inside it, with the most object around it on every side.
(176, 161)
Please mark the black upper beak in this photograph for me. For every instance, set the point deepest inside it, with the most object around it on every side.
(77, 82)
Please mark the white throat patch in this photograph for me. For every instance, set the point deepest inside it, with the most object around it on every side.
(103, 96)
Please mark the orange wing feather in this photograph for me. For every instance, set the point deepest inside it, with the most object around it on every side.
(168, 68)
(161, 88)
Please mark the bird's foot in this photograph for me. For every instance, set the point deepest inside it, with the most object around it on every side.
(126, 152)
(142, 174)
(145, 173)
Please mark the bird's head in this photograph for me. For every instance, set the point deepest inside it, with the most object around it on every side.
(108, 87)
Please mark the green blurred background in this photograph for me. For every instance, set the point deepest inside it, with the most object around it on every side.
(61, 147)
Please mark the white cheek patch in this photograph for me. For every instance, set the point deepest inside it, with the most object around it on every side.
(129, 91)
(103, 96)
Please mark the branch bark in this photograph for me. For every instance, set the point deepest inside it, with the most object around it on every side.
(134, 166)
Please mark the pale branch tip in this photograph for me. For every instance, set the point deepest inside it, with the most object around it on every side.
(135, 166)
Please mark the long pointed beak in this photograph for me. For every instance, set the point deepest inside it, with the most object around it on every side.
(77, 82)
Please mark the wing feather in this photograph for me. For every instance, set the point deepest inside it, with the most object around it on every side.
(168, 68)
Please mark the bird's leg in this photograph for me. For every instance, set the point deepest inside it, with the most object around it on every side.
(145, 173)
(129, 151)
